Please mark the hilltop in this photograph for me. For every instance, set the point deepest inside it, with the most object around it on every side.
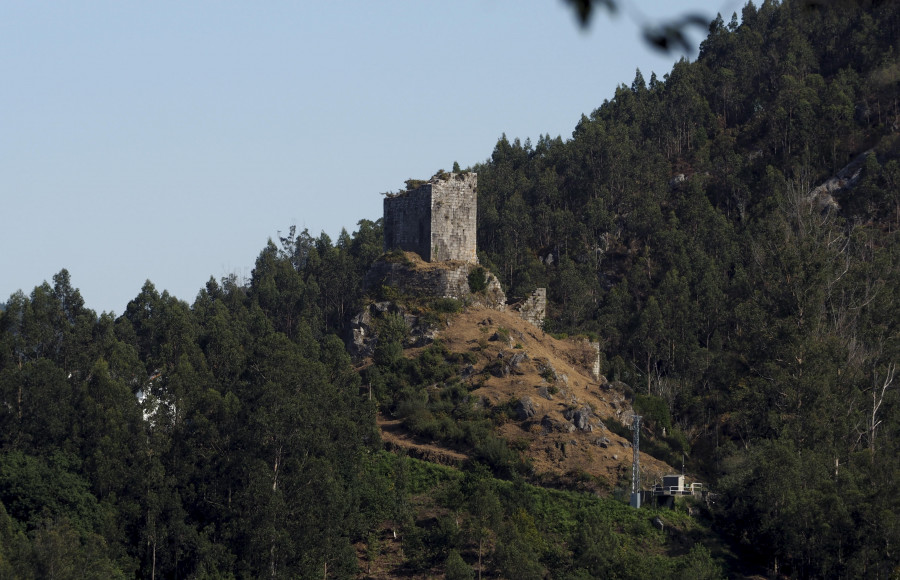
(557, 409)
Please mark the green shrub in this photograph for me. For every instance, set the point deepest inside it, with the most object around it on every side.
(618, 428)
(424, 475)
(548, 375)
(389, 293)
(495, 452)
(447, 305)
(392, 332)
(678, 442)
(653, 409)
(456, 568)
(477, 280)
(698, 564)
(433, 364)
(396, 256)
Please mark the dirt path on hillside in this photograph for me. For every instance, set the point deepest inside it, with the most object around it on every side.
(395, 436)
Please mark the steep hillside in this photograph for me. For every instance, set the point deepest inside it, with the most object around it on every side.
(731, 231)
(557, 409)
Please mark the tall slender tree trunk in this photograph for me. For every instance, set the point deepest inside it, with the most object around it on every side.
(272, 559)
(877, 400)
(480, 541)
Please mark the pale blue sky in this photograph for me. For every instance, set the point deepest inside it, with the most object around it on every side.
(168, 140)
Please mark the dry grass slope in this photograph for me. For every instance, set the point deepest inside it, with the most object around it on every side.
(549, 382)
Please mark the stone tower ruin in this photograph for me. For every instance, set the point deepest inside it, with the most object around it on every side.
(436, 220)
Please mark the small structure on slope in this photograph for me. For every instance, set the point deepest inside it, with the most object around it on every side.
(674, 485)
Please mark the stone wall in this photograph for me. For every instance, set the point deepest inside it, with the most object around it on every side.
(436, 220)
(453, 218)
(407, 221)
(450, 282)
(448, 279)
(534, 308)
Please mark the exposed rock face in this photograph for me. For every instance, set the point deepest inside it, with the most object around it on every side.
(493, 295)
(548, 372)
(407, 274)
(364, 334)
(846, 178)
(498, 336)
(506, 365)
(516, 360)
(525, 409)
(551, 425)
(445, 279)
(544, 391)
(580, 418)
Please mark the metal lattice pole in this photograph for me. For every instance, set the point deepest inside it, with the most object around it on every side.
(636, 467)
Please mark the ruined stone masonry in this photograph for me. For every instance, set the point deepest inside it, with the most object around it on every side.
(436, 220)
(534, 308)
(445, 279)
(595, 366)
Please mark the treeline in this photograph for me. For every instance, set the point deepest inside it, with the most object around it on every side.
(223, 439)
(233, 439)
(680, 225)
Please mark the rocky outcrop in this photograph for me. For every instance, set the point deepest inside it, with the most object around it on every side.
(580, 417)
(524, 409)
(408, 274)
(551, 425)
(846, 178)
(544, 391)
(362, 335)
(364, 329)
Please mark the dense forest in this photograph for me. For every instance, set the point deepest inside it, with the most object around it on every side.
(729, 233)
(682, 224)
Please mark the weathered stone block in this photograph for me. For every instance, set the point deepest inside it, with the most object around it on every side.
(534, 308)
(436, 220)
